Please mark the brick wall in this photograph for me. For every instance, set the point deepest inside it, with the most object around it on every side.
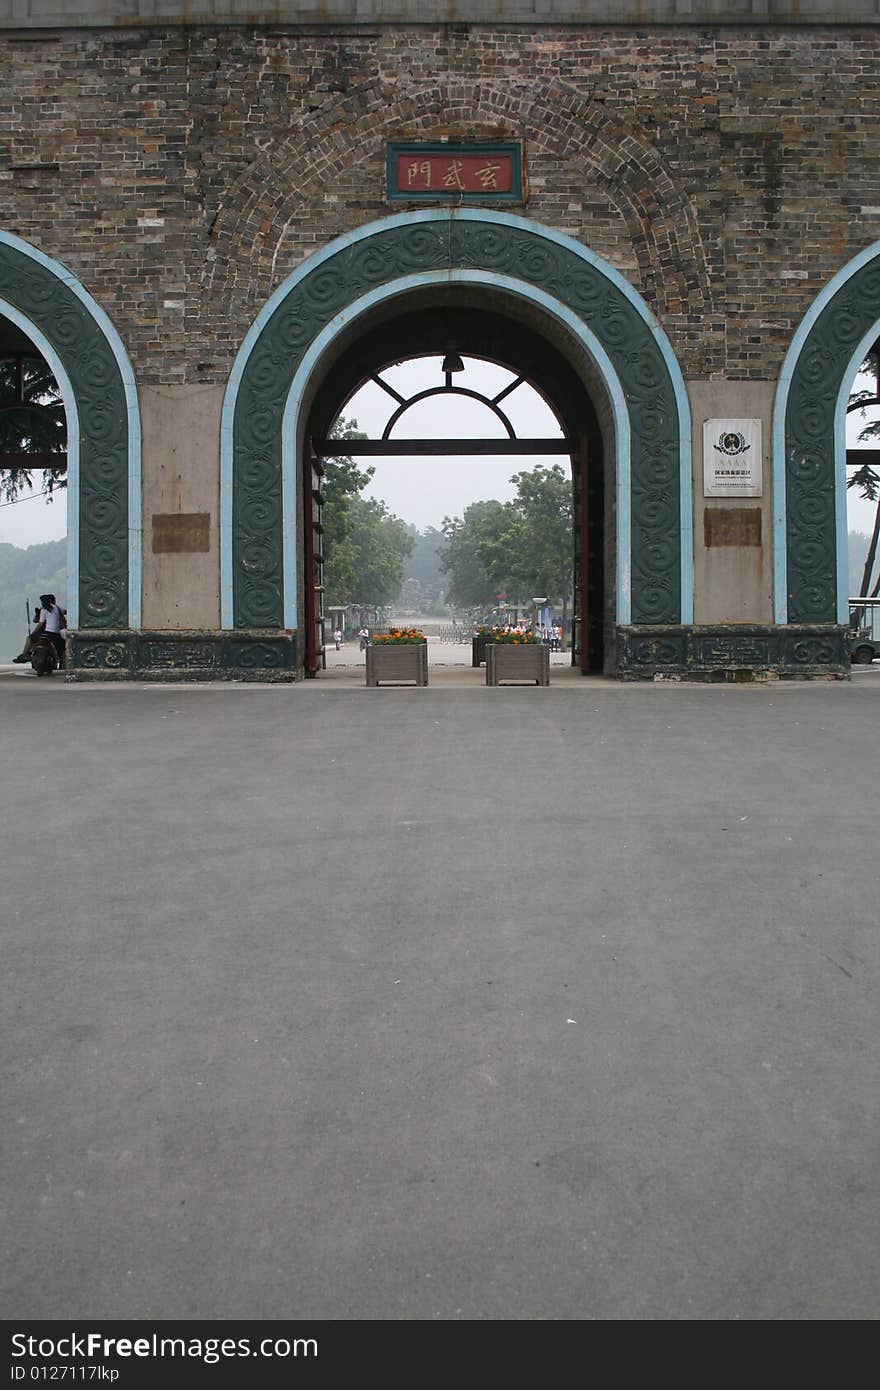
(181, 173)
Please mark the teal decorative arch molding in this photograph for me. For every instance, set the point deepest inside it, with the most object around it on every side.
(809, 445)
(97, 384)
(256, 495)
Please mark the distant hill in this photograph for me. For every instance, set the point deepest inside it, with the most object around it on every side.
(24, 575)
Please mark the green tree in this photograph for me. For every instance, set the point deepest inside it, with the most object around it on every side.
(32, 421)
(364, 545)
(343, 482)
(468, 584)
(533, 553)
(380, 543)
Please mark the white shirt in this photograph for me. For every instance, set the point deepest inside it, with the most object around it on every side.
(54, 617)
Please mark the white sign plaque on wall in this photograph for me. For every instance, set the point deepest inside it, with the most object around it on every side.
(732, 458)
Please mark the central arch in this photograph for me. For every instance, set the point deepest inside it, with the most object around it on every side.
(598, 312)
(473, 324)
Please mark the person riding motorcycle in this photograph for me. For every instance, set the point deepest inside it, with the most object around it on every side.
(51, 620)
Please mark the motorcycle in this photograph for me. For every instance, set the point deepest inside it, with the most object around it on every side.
(44, 656)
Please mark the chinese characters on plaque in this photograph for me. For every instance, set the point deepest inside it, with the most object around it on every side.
(465, 174)
(732, 458)
(440, 172)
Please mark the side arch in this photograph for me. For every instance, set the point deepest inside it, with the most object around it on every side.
(104, 439)
(809, 444)
(611, 322)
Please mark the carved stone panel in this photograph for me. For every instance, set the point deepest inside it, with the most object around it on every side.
(243, 656)
(730, 652)
(727, 649)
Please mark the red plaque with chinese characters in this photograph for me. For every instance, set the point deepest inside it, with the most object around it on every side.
(447, 172)
(465, 173)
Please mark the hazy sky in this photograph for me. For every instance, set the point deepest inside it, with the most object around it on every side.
(422, 491)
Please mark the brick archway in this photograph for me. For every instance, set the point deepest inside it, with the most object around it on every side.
(809, 444)
(104, 481)
(249, 236)
(597, 307)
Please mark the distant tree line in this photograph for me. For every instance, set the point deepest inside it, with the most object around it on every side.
(424, 583)
(25, 574)
(519, 548)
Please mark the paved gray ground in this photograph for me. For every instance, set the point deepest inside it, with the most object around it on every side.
(442, 1003)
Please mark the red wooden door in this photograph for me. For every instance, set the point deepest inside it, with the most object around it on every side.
(581, 606)
(315, 656)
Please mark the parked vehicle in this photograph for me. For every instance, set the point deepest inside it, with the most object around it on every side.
(863, 638)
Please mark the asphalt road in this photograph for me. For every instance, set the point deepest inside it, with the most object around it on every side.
(444, 1003)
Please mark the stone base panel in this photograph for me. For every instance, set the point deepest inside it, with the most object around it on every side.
(724, 653)
(246, 655)
(734, 652)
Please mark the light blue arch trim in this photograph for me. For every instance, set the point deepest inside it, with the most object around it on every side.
(42, 343)
(402, 286)
(525, 291)
(135, 513)
(780, 405)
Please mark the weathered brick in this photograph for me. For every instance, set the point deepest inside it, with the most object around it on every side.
(727, 173)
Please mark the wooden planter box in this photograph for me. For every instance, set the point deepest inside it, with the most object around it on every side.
(478, 649)
(506, 661)
(392, 664)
